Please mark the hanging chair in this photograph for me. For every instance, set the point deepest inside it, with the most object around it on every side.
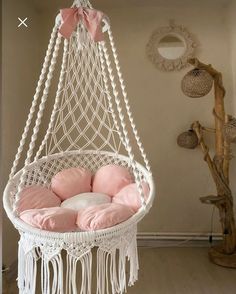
(90, 126)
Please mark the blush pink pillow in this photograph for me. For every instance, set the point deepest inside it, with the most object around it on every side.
(110, 179)
(37, 197)
(70, 182)
(54, 219)
(103, 216)
(130, 196)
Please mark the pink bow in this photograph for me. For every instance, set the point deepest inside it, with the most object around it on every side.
(91, 18)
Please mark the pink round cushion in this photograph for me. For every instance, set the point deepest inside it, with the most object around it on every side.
(37, 197)
(110, 179)
(70, 182)
(130, 196)
(103, 216)
(54, 219)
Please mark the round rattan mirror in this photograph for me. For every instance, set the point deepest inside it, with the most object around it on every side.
(170, 47)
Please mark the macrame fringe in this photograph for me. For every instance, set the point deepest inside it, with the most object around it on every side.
(27, 266)
(133, 261)
(111, 270)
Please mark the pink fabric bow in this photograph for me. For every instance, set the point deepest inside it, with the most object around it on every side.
(91, 18)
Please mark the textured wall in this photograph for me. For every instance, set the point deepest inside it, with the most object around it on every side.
(231, 22)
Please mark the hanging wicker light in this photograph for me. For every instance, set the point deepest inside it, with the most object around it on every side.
(188, 140)
(197, 83)
(229, 130)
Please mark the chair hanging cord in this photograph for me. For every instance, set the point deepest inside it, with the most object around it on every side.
(84, 3)
(34, 103)
(57, 99)
(135, 132)
(105, 79)
(39, 117)
(123, 124)
(43, 101)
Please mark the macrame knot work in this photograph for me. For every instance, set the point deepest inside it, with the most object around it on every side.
(91, 19)
(89, 126)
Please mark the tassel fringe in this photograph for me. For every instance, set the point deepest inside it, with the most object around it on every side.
(59, 279)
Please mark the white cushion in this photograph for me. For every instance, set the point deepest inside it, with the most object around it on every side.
(85, 200)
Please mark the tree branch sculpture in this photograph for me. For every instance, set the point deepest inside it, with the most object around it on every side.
(225, 254)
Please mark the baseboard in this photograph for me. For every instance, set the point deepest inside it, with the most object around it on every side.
(154, 239)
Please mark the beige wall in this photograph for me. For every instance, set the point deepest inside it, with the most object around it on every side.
(161, 111)
(231, 21)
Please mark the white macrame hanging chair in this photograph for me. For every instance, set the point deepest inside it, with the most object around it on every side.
(91, 125)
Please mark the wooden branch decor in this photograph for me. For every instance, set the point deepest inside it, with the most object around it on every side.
(225, 254)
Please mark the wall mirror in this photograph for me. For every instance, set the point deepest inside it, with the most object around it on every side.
(170, 47)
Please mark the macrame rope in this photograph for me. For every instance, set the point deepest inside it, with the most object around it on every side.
(39, 117)
(105, 79)
(123, 124)
(34, 103)
(111, 120)
(57, 100)
(79, 3)
(84, 99)
(122, 84)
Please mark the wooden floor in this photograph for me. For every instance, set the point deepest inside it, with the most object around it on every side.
(178, 271)
(182, 271)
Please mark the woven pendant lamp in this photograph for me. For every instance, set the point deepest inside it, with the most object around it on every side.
(197, 83)
(87, 129)
(188, 140)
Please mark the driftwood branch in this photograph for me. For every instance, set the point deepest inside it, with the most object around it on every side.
(224, 199)
(219, 164)
(218, 110)
(227, 155)
(209, 130)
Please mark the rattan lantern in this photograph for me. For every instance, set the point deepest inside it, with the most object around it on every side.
(188, 140)
(197, 83)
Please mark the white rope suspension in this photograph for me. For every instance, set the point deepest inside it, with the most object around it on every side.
(34, 103)
(39, 117)
(84, 3)
(123, 124)
(127, 101)
(93, 99)
(105, 79)
(57, 100)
